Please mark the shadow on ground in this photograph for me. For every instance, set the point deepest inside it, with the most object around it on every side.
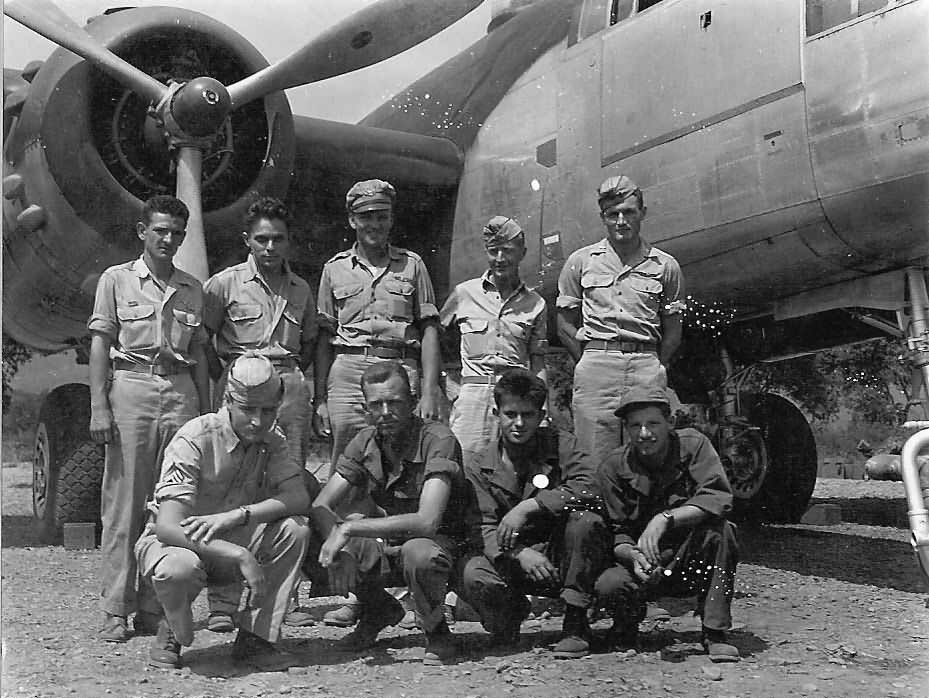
(839, 555)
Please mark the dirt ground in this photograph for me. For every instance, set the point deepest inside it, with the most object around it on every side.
(820, 611)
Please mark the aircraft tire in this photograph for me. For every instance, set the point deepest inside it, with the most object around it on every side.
(792, 463)
(67, 465)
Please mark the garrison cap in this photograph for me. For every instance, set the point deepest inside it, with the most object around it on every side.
(642, 397)
(253, 381)
(500, 229)
(615, 189)
(370, 195)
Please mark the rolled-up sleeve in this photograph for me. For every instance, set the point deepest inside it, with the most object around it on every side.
(426, 308)
(104, 319)
(442, 456)
(538, 339)
(449, 312)
(180, 471)
(672, 294)
(310, 324)
(214, 304)
(326, 315)
(570, 293)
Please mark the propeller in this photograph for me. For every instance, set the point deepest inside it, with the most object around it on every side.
(189, 113)
(369, 36)
(43, 17)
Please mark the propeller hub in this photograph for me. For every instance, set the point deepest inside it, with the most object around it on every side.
(200, 106)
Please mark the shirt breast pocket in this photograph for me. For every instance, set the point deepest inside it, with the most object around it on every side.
(474, 336)
(648, 292)
(399, 299)
(349, 301)
(183, 327)
(598, 292)
(138, 326)
(245, 318)
(291, 327)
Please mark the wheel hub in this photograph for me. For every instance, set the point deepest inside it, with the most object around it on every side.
(41, 464)
(745, 459)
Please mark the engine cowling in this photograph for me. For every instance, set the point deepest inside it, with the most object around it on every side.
(84, 153)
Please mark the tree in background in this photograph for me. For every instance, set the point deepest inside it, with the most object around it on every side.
(14, 356)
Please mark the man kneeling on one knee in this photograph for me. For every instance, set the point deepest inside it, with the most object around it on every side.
(411, 527)
(667, 495)
(538, 499)
(228, 506)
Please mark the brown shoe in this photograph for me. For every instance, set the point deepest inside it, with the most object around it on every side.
(114, 629)
(260, 654)
(440, 646)
(371, 623)
(146, 623)
(343, 617)
(165, 652)
(714, 642)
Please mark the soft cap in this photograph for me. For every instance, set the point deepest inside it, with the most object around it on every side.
(499, 229)
(614, 189)
(253, 381)
(642, 397)
(370, 195)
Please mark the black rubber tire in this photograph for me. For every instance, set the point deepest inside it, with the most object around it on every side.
(792, 463)
(68, 466)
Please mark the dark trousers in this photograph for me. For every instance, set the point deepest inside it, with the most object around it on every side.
(577, 545)
(424, 565)
(701, 562)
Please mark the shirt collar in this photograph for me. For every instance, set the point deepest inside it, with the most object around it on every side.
(487, 282)
(645, 481)
(394, 253)
(645, 249)
(538, 454)
(256, 275)
(142, 271)
(227, 434)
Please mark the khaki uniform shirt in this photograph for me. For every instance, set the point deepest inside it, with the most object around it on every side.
(396, 487)
(208, 468)
(553, 471)
(145, 323)
(621, 302)
(691, 474)
(363, 307)
(246, 314)
(496, 333)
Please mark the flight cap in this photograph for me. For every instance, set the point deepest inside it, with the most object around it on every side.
(370, 195)
(642, 397)
(615, 189)
(252, 381)
(500, 229)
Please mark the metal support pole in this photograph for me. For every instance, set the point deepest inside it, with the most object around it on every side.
(915, 494)
(919, 327)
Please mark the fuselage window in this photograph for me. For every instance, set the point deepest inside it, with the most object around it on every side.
(620, 10)
(645, 4)
(825, 14)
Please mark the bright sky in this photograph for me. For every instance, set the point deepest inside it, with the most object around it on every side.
(276, 28)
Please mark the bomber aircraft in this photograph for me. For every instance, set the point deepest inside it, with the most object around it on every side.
(783, 150)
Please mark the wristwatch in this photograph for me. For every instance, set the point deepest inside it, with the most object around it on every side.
(669, 517)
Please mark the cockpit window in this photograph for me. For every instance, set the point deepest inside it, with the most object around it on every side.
(645, 4)
(593, 18)
(825, 14)
(620, 10)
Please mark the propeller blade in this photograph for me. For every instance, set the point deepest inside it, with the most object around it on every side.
(369, 36)
(43, 17)
(191, 256)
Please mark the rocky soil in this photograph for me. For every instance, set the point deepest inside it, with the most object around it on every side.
(820, 611)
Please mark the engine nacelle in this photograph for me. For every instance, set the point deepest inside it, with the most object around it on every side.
(84, 153)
